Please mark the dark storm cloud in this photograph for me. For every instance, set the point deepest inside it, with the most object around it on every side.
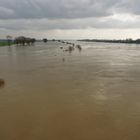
(10, 9)
(124, 22)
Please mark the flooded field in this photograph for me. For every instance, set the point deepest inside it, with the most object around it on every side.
(50, 94)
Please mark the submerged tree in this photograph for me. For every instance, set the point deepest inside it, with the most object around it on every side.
(45, 40)
(21, 40)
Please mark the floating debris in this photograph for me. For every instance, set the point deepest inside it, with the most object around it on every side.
(2, 83)
(71, 48)
(63, 59)
(79, 47)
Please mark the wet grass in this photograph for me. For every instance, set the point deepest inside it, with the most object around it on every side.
(5, 43)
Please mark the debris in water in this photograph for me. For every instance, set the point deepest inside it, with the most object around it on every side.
(2, 83)
(63, 59)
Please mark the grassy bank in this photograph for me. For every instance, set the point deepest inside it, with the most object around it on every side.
(4, 44)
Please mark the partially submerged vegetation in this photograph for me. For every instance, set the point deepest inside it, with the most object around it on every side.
(129, 41)
(5, 43)
(21, 40)
(71, 46)
(45, 40)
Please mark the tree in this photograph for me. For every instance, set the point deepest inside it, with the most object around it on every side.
(45, 40)
(9, 39)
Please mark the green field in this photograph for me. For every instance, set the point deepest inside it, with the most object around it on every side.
(4, 43)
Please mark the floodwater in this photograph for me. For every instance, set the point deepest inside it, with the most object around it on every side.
(54, 95)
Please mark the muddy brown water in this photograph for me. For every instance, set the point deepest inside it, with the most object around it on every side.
(54, 95)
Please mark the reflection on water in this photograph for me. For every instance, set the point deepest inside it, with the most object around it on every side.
(54, 95)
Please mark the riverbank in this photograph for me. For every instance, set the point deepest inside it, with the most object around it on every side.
(127, 41)
(2, 44)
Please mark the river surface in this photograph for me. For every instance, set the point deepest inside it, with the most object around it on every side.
(50, 94)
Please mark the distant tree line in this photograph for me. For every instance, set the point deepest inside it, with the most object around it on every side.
(129, 41)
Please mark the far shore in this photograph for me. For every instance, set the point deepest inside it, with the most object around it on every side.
(127, 41)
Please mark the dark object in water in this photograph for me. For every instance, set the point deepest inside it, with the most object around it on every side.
(71, 48)
(79, 47)
(2, 83)
(63, 59)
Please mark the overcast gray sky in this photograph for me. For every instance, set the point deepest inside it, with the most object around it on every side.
(70, 19)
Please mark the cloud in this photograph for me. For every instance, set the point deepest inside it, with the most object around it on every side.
(123, 21)
(31, 9)
(128, 6)
(56, 8)
(49, 15)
